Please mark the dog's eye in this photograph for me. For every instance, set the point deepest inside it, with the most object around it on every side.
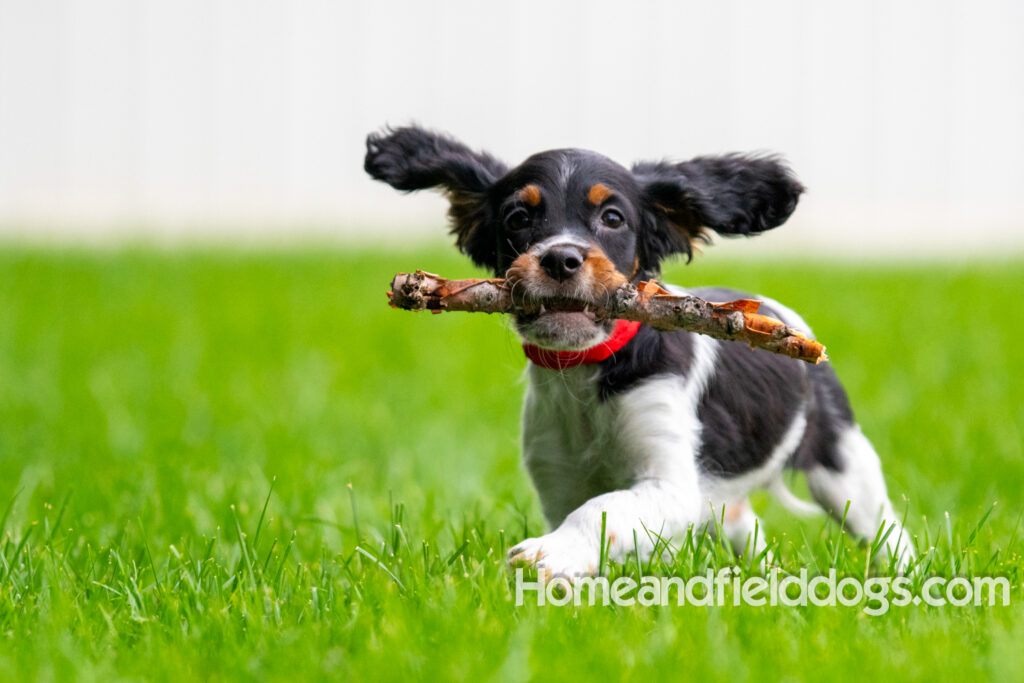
(612, 219)
(518, 219)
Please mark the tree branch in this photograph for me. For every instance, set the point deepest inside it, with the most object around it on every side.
(647, 302)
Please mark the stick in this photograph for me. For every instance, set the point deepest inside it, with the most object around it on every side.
(647, 303)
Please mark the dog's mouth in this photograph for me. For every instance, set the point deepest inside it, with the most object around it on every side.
(567, 305)
(565, 327)
(564, 316)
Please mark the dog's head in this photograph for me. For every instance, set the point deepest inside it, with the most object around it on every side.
(573, 225)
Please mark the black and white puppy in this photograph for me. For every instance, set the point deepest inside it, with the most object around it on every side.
(659, 430)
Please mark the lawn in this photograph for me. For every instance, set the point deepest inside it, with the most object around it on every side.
(242, 465)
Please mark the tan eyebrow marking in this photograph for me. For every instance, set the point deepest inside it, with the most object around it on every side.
(530, 194)
(598, 193)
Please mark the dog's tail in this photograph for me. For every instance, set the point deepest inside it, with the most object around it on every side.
(795, 505)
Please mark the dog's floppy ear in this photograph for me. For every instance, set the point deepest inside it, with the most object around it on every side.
(412, 158)
(732, 195)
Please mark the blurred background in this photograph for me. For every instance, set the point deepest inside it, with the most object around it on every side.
(243, 122)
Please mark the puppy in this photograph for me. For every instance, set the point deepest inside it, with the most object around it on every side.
(659, 432)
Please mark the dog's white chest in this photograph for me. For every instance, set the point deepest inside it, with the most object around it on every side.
(566, 426)
(576, 446)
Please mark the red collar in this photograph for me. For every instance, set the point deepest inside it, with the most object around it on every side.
(624, 331)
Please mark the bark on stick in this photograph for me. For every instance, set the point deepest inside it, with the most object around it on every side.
(647, 302)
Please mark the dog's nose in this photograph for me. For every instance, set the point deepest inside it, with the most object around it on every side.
(561, 262)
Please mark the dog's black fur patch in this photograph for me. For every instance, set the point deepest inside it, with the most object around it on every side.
(649, 353)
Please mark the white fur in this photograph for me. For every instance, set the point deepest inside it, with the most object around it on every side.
(561, 239)
(640, 446)
(797, 506)
(861, 484)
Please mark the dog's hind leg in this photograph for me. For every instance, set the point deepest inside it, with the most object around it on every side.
(745, 533)
(856, 479)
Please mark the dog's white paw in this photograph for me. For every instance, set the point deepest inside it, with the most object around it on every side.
(561, 553)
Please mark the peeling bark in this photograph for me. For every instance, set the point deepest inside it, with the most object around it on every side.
(647, 303)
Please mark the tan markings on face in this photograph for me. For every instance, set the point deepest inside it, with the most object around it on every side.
(526, 276)
(598, 193)
(530, 194)
(599, 273)
(597, 278)
(525, 268)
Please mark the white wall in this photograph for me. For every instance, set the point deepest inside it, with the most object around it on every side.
(199, 117)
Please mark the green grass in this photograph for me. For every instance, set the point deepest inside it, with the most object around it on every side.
(154, 405)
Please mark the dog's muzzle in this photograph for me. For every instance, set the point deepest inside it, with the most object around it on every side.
(570, 279)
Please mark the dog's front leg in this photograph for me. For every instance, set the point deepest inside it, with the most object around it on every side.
(635, 519)
(656, 435)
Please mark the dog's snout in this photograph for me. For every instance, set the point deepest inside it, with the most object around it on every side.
(562, 261)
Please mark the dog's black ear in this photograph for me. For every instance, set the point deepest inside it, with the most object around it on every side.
(412, 158)
(732, 195)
